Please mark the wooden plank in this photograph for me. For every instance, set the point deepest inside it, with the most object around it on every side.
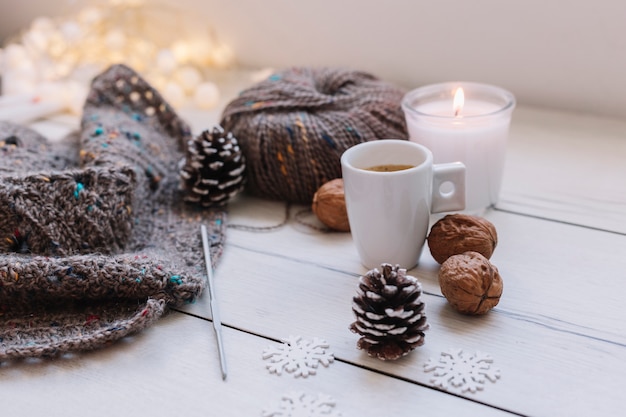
(542, 260)
(172, 369)
(554, 327)
(567, 167)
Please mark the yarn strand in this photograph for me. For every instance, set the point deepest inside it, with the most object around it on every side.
(250, 228)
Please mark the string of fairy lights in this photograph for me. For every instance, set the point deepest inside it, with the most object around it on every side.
(170, 48)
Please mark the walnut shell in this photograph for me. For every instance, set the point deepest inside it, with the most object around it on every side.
(459, 233)
(470, 283)
(329, 205)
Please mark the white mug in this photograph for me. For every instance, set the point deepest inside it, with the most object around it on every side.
(389, 211)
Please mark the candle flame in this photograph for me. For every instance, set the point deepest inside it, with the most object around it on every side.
(459, 101)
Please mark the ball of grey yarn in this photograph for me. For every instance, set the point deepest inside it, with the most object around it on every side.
(294, 126)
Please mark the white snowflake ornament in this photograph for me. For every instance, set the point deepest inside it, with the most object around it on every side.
(299, 404)
(467, 372)
(298, 356)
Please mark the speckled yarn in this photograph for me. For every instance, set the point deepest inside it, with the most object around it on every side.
(294, 126)
(95, 240)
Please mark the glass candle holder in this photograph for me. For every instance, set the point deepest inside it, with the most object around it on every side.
(465, 122)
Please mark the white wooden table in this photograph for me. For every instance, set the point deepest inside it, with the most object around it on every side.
(558, 335)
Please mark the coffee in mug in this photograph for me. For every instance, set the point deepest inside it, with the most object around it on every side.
(389, 168)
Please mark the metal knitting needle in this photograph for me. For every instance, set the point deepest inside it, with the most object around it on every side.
(217, 324)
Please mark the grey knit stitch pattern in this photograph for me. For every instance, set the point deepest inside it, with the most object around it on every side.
(95, 239)
(294, 126)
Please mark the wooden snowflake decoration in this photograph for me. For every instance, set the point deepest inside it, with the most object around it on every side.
(466, 372)
(299, 404)
(298, 356)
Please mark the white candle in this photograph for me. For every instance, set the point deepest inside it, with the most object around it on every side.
(474, 132)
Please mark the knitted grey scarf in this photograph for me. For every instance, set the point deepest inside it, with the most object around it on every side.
(95, 241)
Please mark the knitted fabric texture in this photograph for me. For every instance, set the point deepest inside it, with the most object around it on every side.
(95, 240)
(294, 126)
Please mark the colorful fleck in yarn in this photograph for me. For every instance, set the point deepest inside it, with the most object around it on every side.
(95, 239)
(294, 126)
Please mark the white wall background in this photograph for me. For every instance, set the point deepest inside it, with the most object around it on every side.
(561, 54)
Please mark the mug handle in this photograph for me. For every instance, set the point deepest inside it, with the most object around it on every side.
(452, 196)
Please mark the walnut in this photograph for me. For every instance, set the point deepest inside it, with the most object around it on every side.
(329, 205)
(459, 233)
(470, 283)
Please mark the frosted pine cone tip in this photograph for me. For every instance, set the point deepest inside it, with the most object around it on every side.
(213, 170)
(389, 313)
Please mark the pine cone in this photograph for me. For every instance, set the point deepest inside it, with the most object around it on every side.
(390, 315)
(214, 169)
